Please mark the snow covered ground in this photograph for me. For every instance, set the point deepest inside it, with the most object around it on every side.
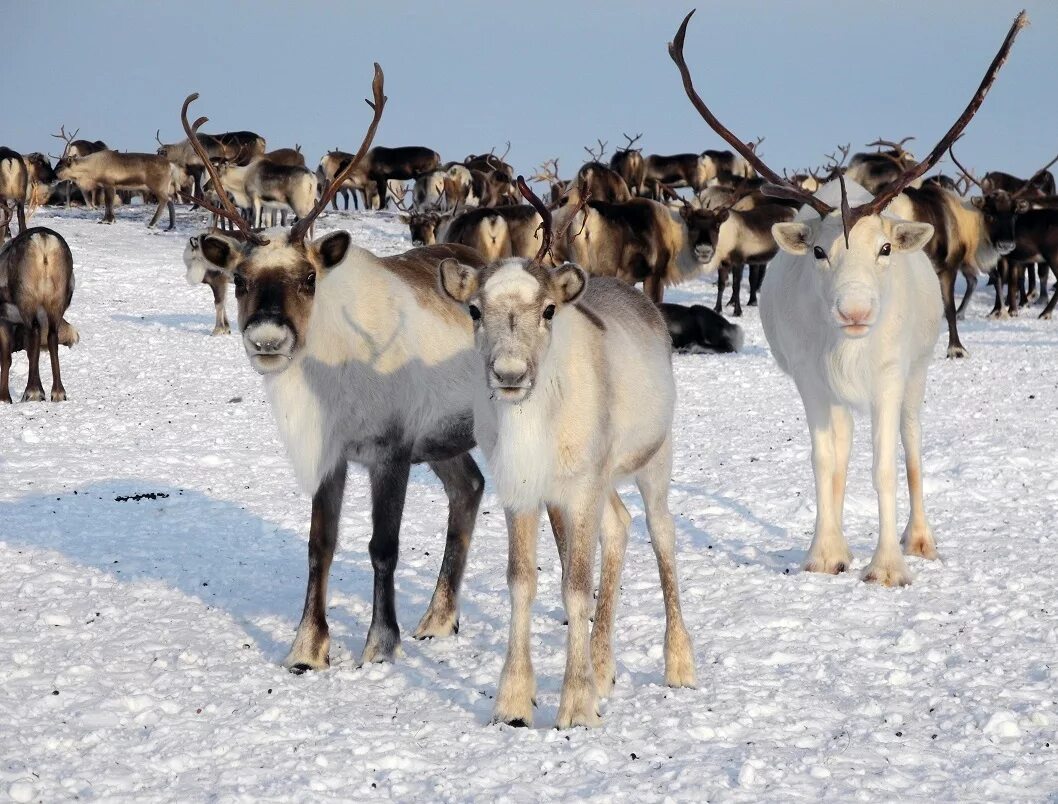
(142, 637)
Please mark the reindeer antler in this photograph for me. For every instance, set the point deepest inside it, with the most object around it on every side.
(301, 228)
(631, 141)
(545, 215)
(968, 175)
(849, 215)
(1030, 183)
(67, 139)
(228, 210)
(602, 150)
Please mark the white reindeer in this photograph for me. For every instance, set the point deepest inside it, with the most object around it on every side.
(577, 393)
(855, 327)
(852, 312)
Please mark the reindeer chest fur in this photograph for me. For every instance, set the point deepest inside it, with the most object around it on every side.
(377, 378)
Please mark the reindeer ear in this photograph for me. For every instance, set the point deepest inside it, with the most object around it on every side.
(570, 280)
(221, 252)
(793, 237)
(978, 201)
(333, 247)
(459, 281)
(723, 214)
(1022, 206)
(909, 236)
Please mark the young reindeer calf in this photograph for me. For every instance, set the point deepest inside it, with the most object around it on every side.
(577, 393)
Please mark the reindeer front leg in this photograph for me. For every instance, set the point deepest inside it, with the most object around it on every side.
(887, 566)
(389, 487)
(918, 536)
(312, 642)
(579, 703)
(829, 552)
(517, 690)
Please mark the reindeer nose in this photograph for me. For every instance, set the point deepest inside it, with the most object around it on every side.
(1004, 247)
(854, 314)
(509, 372)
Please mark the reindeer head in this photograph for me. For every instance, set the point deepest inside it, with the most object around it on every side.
(1000, 208)
(515, 304)
(276, 272)
(703, 230)
(853, 274)
(275, 285)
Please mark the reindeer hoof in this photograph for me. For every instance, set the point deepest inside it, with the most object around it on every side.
(381, 647)
(33, 395)
(434, 624)
(957, 352)
(1045, 315)
(58, 396)
(890, 573)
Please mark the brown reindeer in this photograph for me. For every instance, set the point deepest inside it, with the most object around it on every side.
(36, 286)
(363, 361)
(14, 185)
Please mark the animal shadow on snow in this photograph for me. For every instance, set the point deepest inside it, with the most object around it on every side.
(209, 549)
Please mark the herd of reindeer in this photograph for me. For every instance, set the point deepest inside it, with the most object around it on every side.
(517, 327)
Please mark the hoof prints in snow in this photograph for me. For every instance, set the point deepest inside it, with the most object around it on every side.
(809, 685)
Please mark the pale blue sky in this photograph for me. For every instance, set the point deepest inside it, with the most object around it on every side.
(464, 76)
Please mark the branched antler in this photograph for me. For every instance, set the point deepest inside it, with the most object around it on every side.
(631, 141)
(602, 151)
(301, 228)
(849, 215)
(65, 138)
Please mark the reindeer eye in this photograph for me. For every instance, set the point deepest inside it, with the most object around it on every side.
(310, 280)
(549, 312)
(475, 313)
(820, 254)
(885, 250)
(240, 283)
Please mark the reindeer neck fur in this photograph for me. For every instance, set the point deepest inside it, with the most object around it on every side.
(380, 372)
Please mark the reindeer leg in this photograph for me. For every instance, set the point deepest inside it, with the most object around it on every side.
(615, 522)
(971, 286)
(1014, 290)
(219, 286)
(887, 566)
(108, 201)
(918, 536)
(736, 290)
(947, 290)
(578, 705)
(517, 690)
(997, 282)
(653, 482)
(5, 363)
(389, 487)
(172, 211)
(1043, 270)
(463, 486)
(721, 283)
(756, 277)
(312, 642)
(20, 210)
(58, 393)
(34, 389)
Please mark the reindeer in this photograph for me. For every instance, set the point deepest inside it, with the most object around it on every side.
(497, 232)
(851, 312)
(41, 178)
(267, 185)
(14, 185)
(429, 191)
(332, 163)
(375, 368)
(36, 287)
(110, 170)
(874, 171)
(739, 237)
(637, 241)
(383, 164)
(201, 271)
(628, 163)
(238, 147)
(597, 181)
(577, 394)
(971, 237)
(487, 163)
(464, 187)
(288, 157)
(73, 147)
